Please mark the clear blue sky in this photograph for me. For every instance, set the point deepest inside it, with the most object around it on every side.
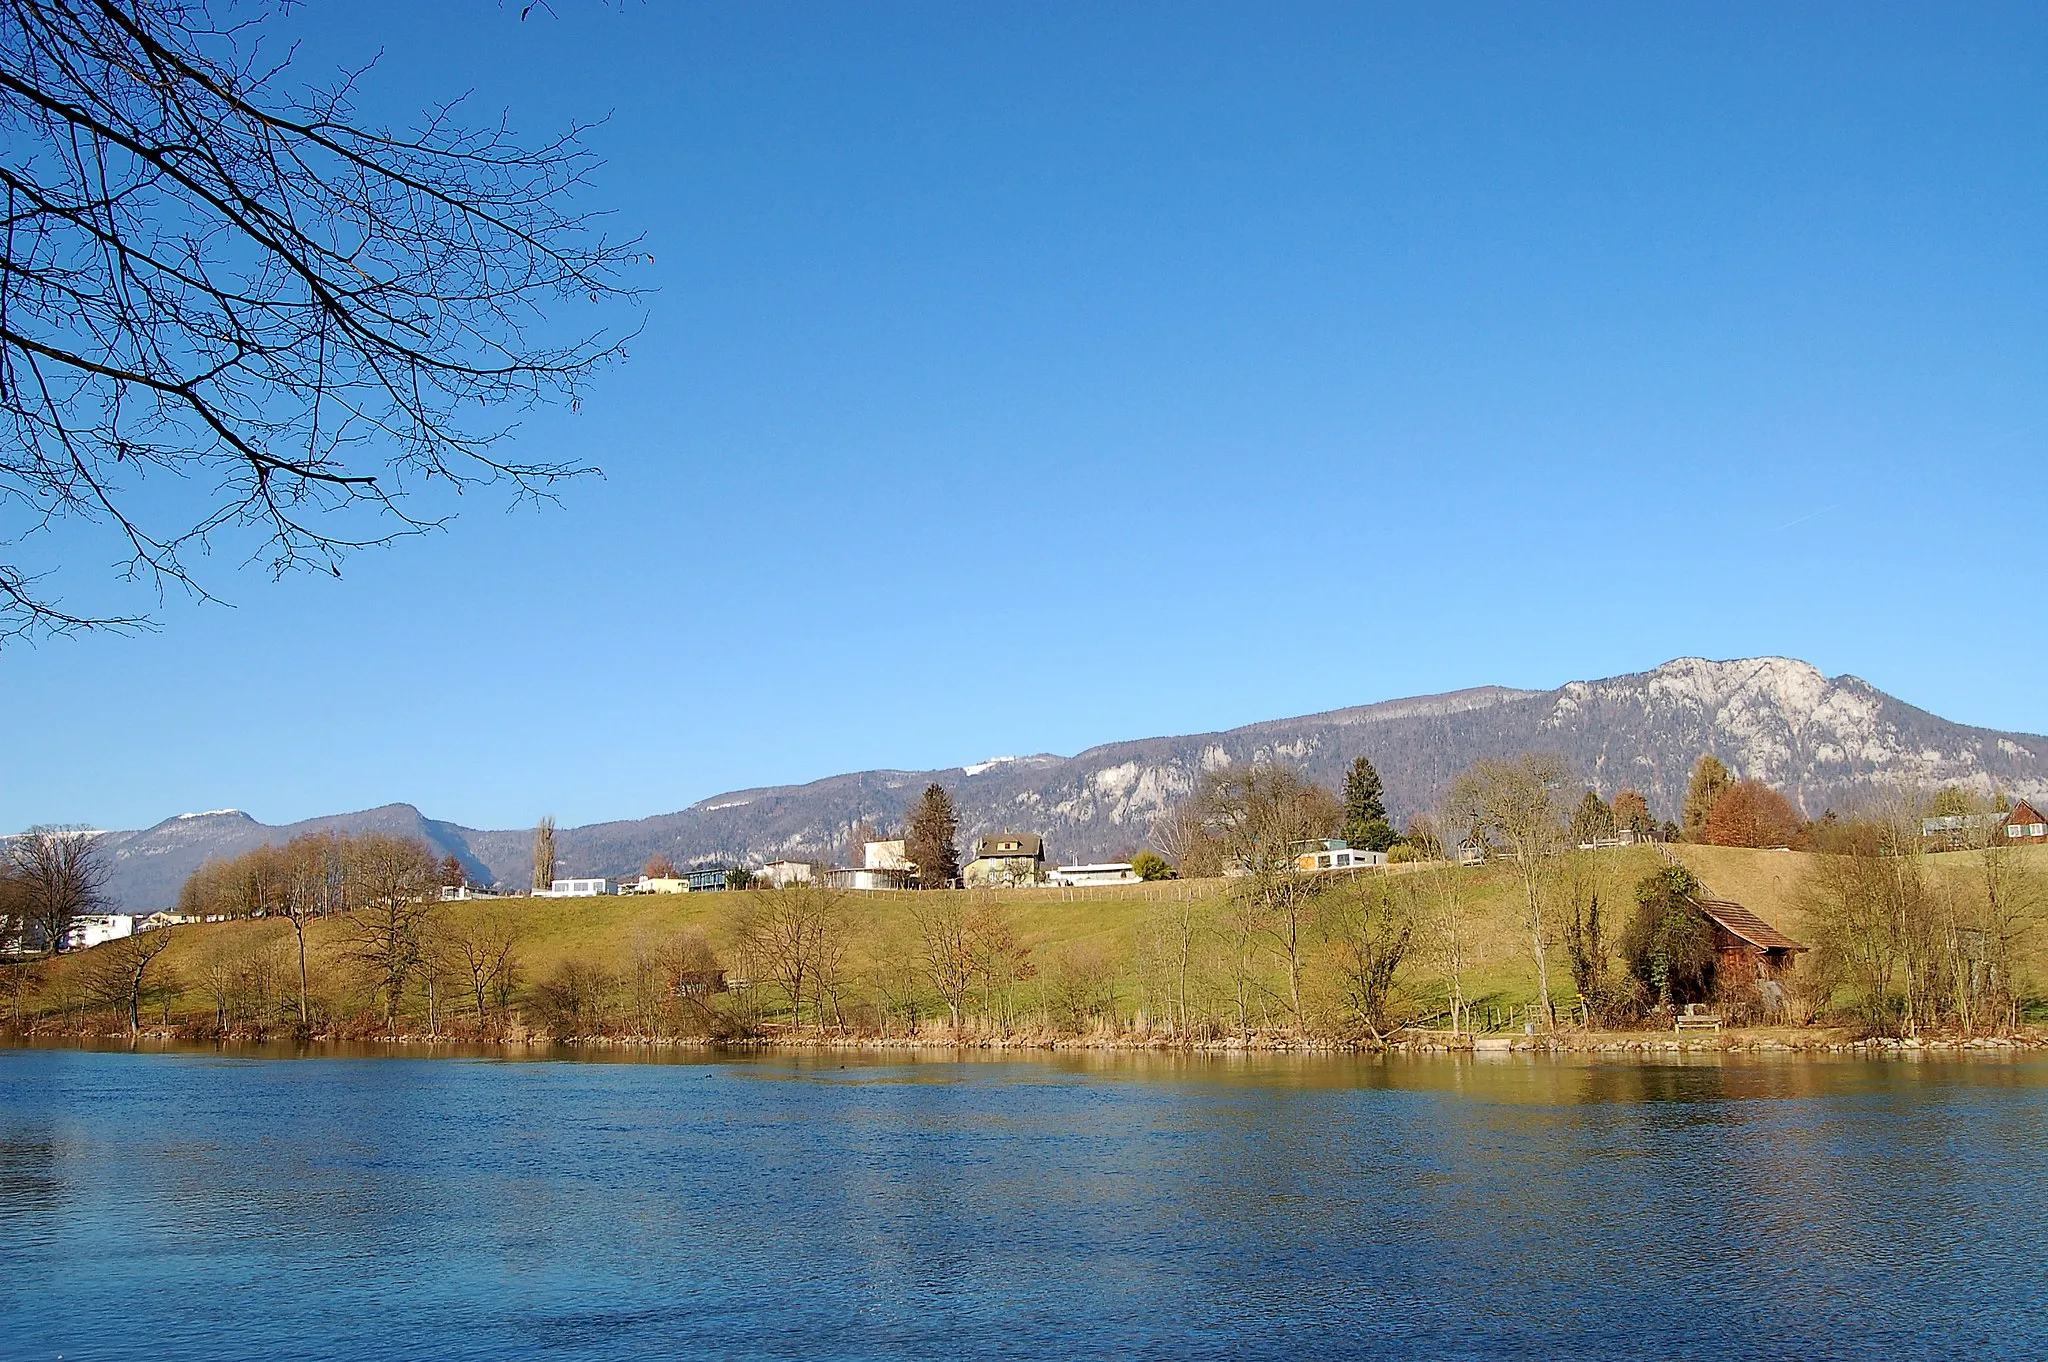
(1022, 377)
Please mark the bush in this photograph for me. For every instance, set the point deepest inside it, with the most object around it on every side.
(1150, 865)
(1669, 944)
(574, 1001)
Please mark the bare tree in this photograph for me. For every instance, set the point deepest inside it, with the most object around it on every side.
(1369, 930)
(118, 969)
(394, 883)
(795, 933)
(307, 892)
(946, 950)
(22, 977)
(13, 910)
(2010, 913)
(1173, 929)
(544, 853)
(215, 273)
(1186, 841)
(1261, 818)
(59, 874)
(483, 947)
(1518, 802)
(1000, 959)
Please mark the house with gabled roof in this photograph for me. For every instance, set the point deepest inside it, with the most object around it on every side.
(1006, 859)
(1749, 949)
(2024, 823)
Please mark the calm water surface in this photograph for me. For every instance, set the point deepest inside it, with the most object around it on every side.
(251, 1206)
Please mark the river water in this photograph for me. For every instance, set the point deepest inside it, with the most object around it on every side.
(244, 1205)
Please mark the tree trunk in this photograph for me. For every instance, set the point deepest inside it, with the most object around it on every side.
(305, 1014)
(1529, 872)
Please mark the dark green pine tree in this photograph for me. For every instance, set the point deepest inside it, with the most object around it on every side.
(1365, 808)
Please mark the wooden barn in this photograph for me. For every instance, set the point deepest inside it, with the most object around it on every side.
(1750, 949)
(2025, 824)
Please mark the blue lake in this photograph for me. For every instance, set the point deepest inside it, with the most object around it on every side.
(243, 1205)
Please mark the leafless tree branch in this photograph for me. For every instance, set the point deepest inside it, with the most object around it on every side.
(210, 274)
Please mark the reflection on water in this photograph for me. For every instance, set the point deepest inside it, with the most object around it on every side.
(247, 1205)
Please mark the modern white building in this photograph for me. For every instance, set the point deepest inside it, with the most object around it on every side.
(1112, 872)
(578, 889)
(1334, 853)
(655, 884)
(779, 874)
(92, 929)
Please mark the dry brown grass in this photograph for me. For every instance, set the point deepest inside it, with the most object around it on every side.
(1103, 928)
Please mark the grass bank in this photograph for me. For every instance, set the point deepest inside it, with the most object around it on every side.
(1152, 965)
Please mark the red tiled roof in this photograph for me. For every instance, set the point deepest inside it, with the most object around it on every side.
(1739, 921)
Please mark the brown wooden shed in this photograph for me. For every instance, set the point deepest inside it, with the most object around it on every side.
(1750, 949)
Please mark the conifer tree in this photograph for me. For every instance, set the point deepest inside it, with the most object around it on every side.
(1710, 780)
(1365, 808)
(1593, 820)
(932, 837)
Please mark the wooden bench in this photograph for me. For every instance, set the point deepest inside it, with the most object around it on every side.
(1696, 1018)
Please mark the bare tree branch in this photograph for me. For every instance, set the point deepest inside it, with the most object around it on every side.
(211, 275)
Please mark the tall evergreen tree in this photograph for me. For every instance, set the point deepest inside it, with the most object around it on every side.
(1593, 820)
(1710, 780)
(932, 838)
(1365, 808)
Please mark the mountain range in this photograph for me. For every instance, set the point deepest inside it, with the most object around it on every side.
(1828, 742)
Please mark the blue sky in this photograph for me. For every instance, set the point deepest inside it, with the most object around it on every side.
(1023, 377)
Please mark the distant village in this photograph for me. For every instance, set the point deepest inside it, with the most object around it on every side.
(1003, 860)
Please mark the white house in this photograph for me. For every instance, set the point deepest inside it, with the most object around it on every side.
(884, 865)
(91, 929)
(1113, 872)
(578, 889)
(779, 874)
(1334, 853)
(655, 884)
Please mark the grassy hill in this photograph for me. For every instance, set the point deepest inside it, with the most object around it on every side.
(1092, 959)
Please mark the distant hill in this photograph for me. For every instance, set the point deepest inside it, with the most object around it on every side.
(1827, 742)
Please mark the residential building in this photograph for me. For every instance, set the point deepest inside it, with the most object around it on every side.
(889, 855)
(579, 889)
(1958, 831)
(655, 884)
(2022, 823)
(779, 874)
(1334, 853)
(884, 865)
(1005, 859)
(1081, 876)
(93, 929)
(706, 879)
(869, 879)
(2025, 824)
